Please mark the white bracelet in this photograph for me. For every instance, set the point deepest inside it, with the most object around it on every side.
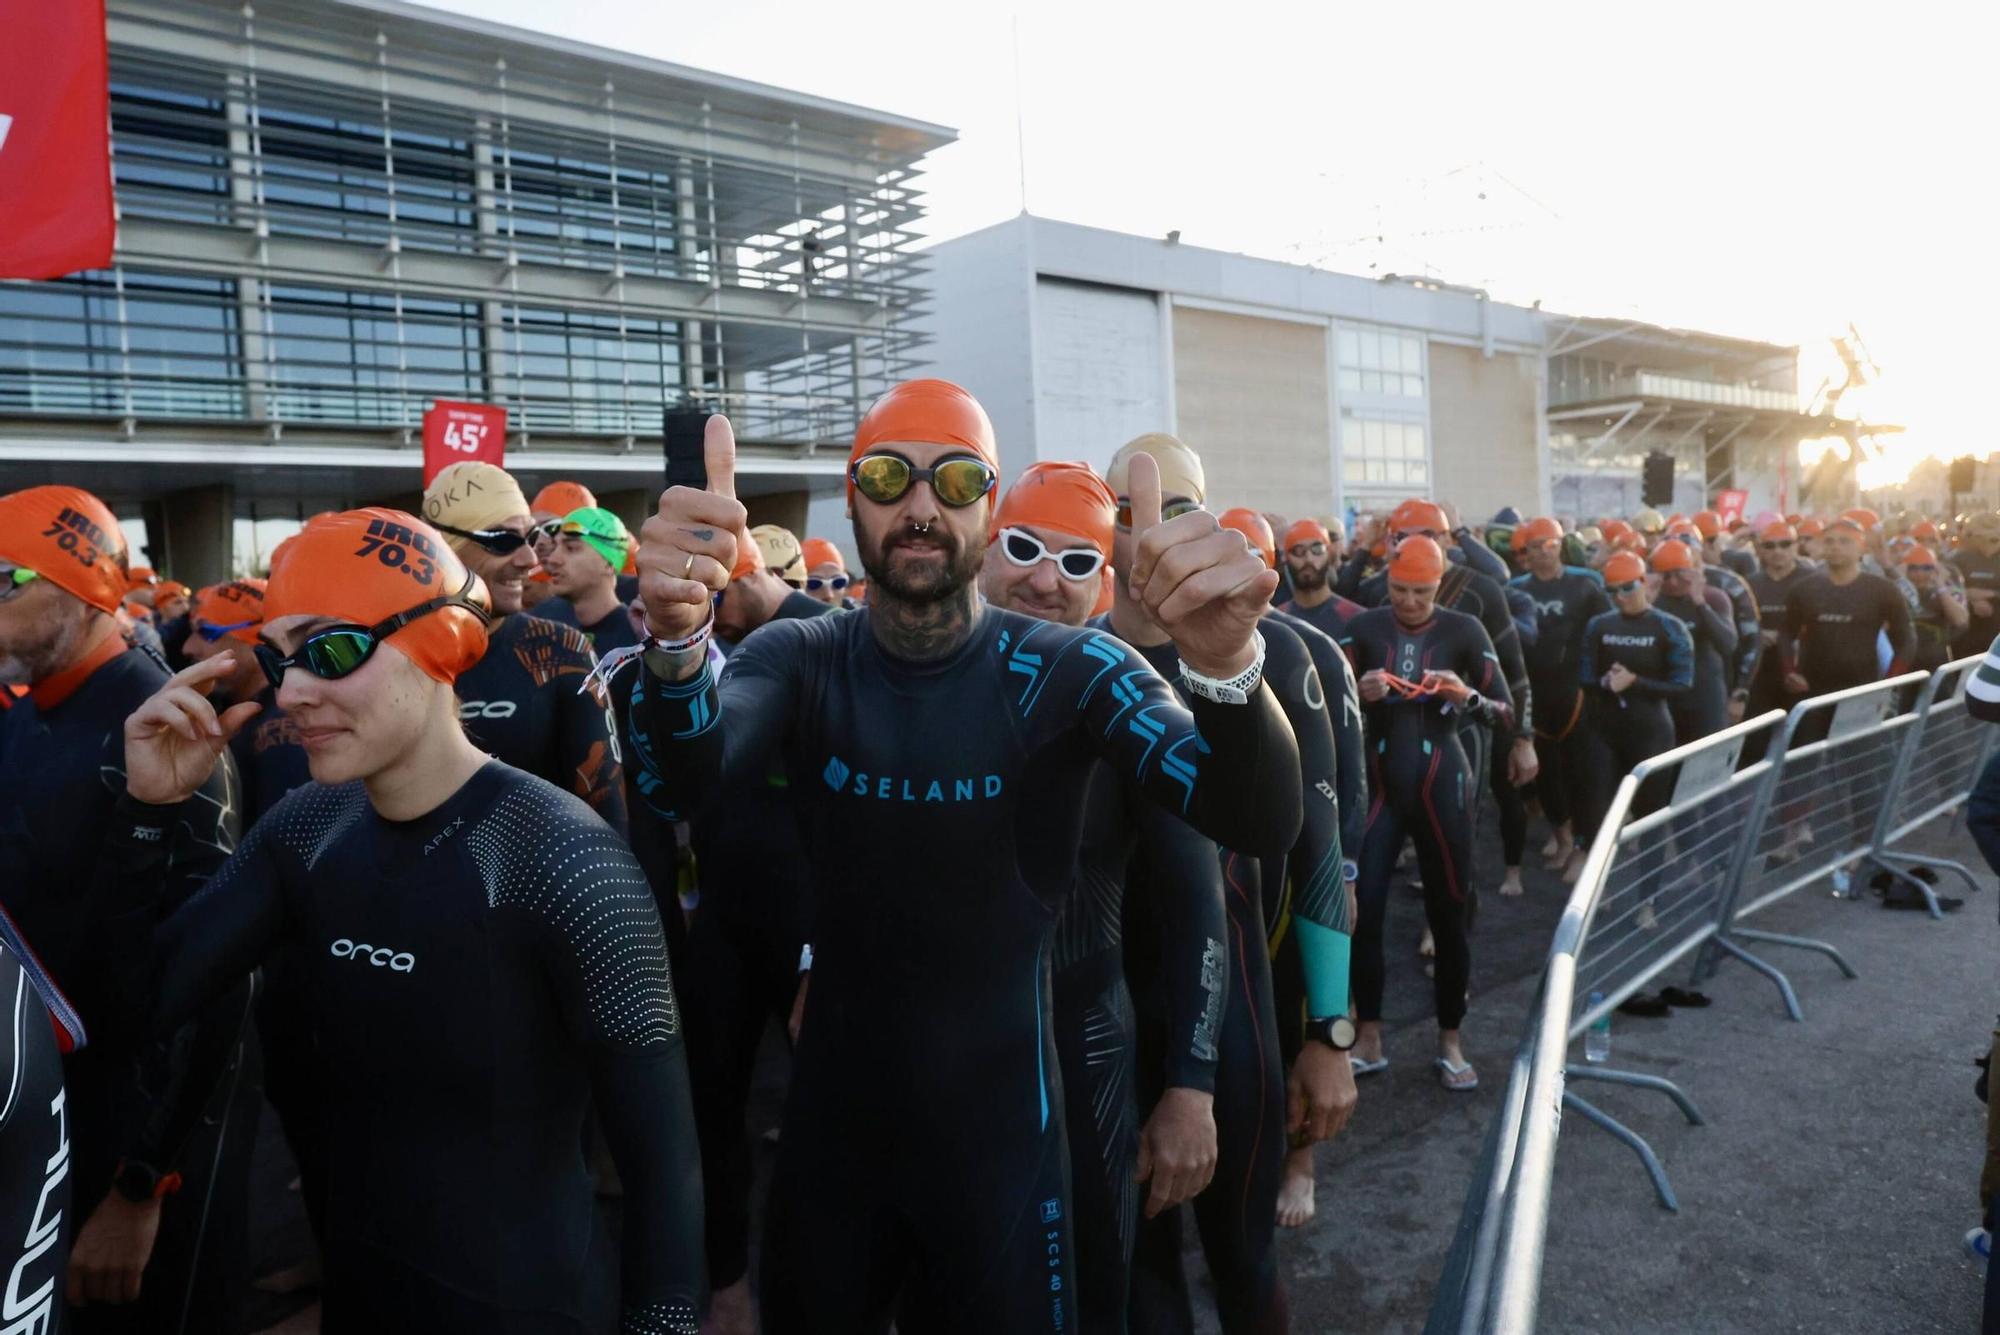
(1236, 690)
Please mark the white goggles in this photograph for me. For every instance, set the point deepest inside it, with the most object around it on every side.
(1025, 549)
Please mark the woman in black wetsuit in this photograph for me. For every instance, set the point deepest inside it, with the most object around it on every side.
(484, 959)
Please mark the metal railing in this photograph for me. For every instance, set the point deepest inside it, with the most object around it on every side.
(1697, 840)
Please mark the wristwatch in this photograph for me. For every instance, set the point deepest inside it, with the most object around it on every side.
(139, 1182)
(1337, 1033)
(1236, 690)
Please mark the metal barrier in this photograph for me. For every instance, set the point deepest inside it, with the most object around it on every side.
(1939, 766)
(1694, 843)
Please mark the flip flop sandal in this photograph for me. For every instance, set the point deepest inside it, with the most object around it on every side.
(1362, 1066)
(1448, 1071)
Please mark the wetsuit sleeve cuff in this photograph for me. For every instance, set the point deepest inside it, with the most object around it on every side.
(1187, 1072)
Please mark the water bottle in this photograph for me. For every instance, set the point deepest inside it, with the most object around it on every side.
(1843, 884)
(1597, 1038)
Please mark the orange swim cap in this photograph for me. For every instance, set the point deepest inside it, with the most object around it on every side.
(1255, 527)
(560, 498)
(1810, 527)
(1920, 556)
(931, 412)
(1780, 532)
(1863, 518)
(239, 603)
(1708, 523)
(1418, 560)
(1415, 515)
(1066, 497)
(1307, 530)
(1673, 556)
(365, 566)
(820, 552)
(1537, 530)
(1624, 567)
(69, 538)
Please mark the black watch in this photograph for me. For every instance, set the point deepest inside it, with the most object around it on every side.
(138, 1182)
(1337, 1033)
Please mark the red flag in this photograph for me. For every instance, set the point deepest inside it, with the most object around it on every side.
(455, 432)
(1729, 505)
(55, 154)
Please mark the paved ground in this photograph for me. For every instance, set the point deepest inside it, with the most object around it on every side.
(1829, 1190)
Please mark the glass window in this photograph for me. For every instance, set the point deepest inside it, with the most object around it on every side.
(1383, 452)
(579, 371)
(170, 143)
(340, 356)
(60, 347)
(1379, 362)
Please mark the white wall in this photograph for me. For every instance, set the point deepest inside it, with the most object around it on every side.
(979, 322)
(1099, 370)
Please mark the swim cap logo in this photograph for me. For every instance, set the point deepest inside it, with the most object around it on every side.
(382, 957)
(391, 543)
(80, 536)
(844, 778)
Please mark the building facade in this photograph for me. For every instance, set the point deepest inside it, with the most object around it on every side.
(333, 213)
(1306, 392)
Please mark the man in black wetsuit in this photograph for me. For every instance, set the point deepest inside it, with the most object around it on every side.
(1566, 597)
(1311, 552)
(1636, 662)
(745, 957)
(37, 1026)
(921, 1174)
(1424, 671)
(159, 1135)
(521, 702)
(1261, 1106)
(1978, 562)
(1938, 613)
(1741, 662)
(1832, 620)
(584, 561)
(1779, 571)
(432, 890)
(1053, 535)
(1706, 613)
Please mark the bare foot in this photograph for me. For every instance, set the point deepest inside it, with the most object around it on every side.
(1552, 847)
(1295, 1193)
(730, 1311)
(1428, 946)
(1574, 872)
(1510, 884)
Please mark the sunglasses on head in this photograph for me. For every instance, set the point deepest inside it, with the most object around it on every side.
(1025, 549)
(1304, 549)
(1173, 509)
(1914, 566)
(1620, 590)
(547, 531)
(1778, 546)
(958, 481)
(211, 632)
(835, 582)
(14, 580)
(337, 651)
(499, 541)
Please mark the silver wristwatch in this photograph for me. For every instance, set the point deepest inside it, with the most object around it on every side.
(1236, 690)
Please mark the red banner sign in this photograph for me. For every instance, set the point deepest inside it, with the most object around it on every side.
(55, 155)
(1729, 505)
(456, 432)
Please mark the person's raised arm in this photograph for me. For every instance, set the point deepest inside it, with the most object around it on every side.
(1229, 766)
(685, 733)
(1717, 624)
(1749, 645)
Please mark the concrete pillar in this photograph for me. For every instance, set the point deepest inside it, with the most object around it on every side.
(197, 534)
(786, 509)
(634, 505)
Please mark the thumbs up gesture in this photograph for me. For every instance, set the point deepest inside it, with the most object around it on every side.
(1199, 581)
(687, 550)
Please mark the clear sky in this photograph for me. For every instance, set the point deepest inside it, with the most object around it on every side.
(1766, 170)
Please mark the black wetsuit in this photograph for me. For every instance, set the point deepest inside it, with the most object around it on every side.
(520, 704)
(1184, 977)
(1329, 618)
(1638, 722)
(1932, 629)
(1830, 631)
(1980, 574)
(1742, 661)
(922, 1173)
(739, 972)
(477, 975)
(188, 1105)
(1563, 607)
(1237, 1216)
(1422, 786)
(1767, 687)
(36, 1024)
(1705, 709)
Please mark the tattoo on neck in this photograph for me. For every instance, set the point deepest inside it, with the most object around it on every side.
(922, 631)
